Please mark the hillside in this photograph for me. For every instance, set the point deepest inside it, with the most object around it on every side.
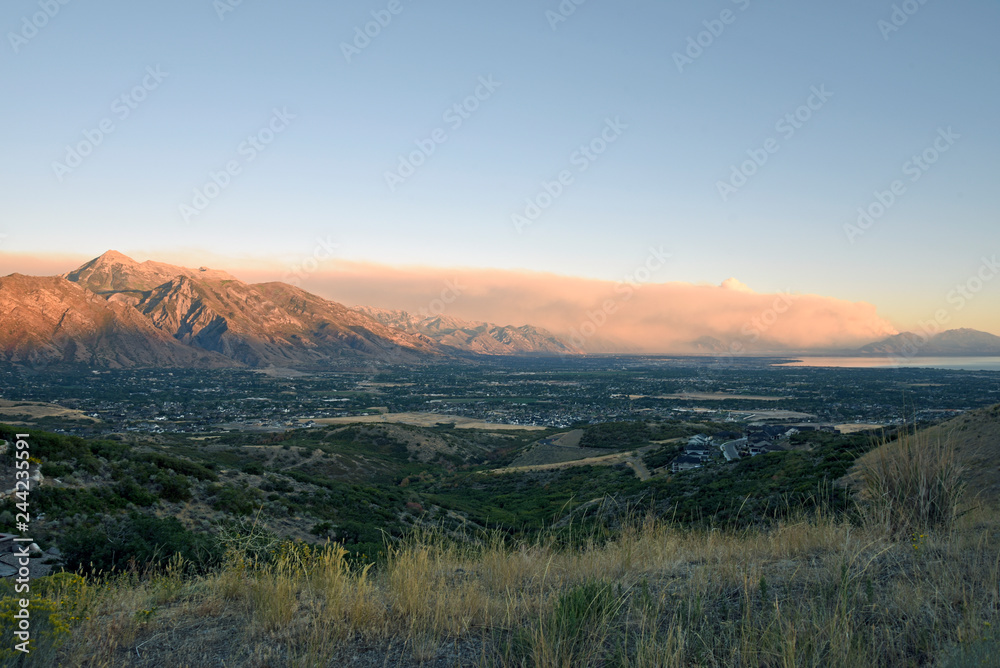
(976, 439)
(815, 587)
(440, 561)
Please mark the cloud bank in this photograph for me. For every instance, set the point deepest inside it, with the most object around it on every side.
(605, 316)
(633, 315)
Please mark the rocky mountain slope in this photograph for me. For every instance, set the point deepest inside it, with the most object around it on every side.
(471, 336)
(114, 311)
(47, 320)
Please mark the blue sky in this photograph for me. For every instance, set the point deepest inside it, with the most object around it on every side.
(558, 84)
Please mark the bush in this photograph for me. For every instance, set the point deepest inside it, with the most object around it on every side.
(616, 435)
(253, 468)
(911, 484)
(235, 500)
(118, 543)
(180, 466)
(55, 470)
(174, 487)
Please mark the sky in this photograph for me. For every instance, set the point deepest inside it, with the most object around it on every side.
(839, 150)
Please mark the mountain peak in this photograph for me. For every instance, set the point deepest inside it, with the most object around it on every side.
(114, 272)
(114, 256)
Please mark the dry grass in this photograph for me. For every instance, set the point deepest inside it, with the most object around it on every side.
(818, 592)
(912, 484)
(912, 583)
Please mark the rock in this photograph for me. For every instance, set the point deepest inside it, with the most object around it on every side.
(34, 550)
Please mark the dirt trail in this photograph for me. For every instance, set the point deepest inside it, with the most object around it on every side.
(633, 461)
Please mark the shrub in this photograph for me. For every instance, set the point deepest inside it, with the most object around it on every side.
(253, 468)
(55, 470)
(235, 500)
(117, 543)
(911, 484)
(173, 487)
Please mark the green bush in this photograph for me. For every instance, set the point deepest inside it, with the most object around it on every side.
(173, 487)
(616, 435)
(134, 540)
(235, 500)
(55, 470)
(253, 468)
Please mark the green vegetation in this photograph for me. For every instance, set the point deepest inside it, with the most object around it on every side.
(616, 435)
(763, 561)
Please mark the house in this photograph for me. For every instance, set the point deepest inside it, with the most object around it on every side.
(765, 432)
(702, 452)
(685, 463)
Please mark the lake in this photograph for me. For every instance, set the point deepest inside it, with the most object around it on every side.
(963, 363)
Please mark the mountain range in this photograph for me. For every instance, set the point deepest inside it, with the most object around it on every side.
(947, 343)
(471, 336)
(116, 312)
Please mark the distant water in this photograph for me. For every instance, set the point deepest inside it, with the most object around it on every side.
(964, 363)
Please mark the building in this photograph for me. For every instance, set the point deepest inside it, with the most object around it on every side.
(686, 463)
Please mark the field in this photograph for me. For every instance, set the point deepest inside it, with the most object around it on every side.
(427, 420)
(33, 410)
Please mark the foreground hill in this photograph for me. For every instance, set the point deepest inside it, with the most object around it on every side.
(974, 438)
(471, 336)
(114, 311)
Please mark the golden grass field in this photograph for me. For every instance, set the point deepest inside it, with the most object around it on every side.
(36, 410)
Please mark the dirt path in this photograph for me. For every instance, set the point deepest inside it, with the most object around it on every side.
(633, 461)
(641, 472)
